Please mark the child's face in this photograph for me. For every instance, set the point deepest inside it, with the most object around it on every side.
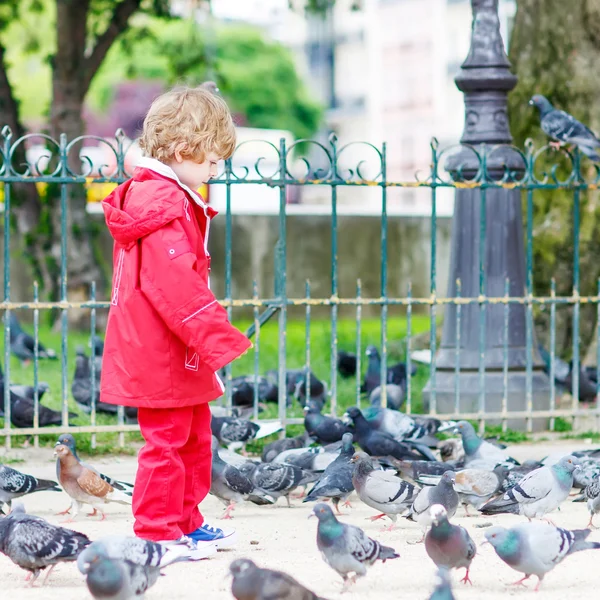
(195, 174)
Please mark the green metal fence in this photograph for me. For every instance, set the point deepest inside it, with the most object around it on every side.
(534, 174)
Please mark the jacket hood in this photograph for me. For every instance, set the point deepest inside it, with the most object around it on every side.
(144, 204)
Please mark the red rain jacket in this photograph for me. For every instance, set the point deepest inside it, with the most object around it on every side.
(166, 335)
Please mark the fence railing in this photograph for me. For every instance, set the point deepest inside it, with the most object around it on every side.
(335, 168)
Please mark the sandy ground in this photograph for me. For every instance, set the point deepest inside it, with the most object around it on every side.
(282, 538)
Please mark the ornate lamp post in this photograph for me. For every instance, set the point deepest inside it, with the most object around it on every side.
(485, 80)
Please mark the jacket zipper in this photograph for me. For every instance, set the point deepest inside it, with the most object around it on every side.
(115, 295)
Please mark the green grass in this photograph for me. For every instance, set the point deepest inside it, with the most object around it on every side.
(320, 350)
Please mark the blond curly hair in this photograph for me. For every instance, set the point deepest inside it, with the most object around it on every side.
(191, 121)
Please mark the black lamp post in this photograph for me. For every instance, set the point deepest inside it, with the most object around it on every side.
(485, 79)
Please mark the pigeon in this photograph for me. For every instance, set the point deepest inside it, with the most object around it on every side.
(68, 440)
(415, 470)
(230, 485)
(235, 432)
(34, 544)
(137, 551)
(272, 450)
(336, 481)
(324, 429)
(477, 449)
(97, 346)
(474, 486)
(565, 128)
(451, 450)
(381, 490)
(81, 388)
(85, 485)
(110, 579)
(346, 548)
(449, 545)
(396, 374)
(14, 484)
(443, 589)
(119, 567)
(243, 386)
(402, 427)
(515, 474)
(592, 495)
(22, 411)
(253, 583)
(24, 391)
(536, 548)
(318, 391)
(315, 459)
(538, 493)
(279, 479)
(346, 364)
(394, 396)
(22, 345)
(376, 443)
(443, 493)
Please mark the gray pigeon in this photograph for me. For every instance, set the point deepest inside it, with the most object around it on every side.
(443, 589)
(136, 550)
(394, 396)
(538, 493)
(111, 579)
(278, 480)
(473, 486)
(14, 484)
(477, 449)
(592, 494)
(443, 493)
(230, 485)
(448, 545)
(346, 548)
(536, 548)
(565, 128)
(252, 583)
(336, 481)
(272, 450)
(381, 490)
(34, 544)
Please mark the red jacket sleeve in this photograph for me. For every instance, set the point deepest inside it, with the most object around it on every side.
(183, 300)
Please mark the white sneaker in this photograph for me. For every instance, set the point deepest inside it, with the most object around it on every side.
(207, 534)
(190, 548)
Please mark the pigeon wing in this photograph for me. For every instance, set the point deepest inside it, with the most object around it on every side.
(383, 487)
(91, 483)
(360, 545)
(476, 482)
(533, 487)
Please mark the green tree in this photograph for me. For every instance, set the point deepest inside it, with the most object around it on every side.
(555, 52)
(257, 76)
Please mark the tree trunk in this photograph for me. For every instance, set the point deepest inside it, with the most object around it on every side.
(68, 92)
(555, 52)
(25, 201)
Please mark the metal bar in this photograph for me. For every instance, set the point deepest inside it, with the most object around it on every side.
(597, 360)
(256, 351)
(358, 343)
(334, 287)
(432, 281)
(552, 353)
(505, 358)
(93, 363)
(307, 343)
(575, 369)
(408, 349)
(457, 353)
(482, 250)
(281, 284)
(529, 312)
(36, 365)
(384, 277)
(64, 330)
(228, 258)
(7, 199)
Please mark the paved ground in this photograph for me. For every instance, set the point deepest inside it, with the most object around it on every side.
(283, 538)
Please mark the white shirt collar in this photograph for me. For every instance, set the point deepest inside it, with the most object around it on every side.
(159, 167)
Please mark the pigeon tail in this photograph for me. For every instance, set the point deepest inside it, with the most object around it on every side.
(119, 496)
(580, 544)
(496, 507)
(47, 485)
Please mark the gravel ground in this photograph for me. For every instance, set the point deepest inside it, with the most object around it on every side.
(282, 538)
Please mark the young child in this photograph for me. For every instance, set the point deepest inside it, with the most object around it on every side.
(167, 335)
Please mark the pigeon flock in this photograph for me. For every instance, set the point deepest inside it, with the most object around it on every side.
(385, 472)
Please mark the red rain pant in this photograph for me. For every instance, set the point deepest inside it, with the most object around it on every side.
(174, 469)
